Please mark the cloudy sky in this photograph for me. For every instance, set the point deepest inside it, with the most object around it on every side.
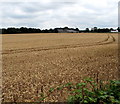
(59, 13)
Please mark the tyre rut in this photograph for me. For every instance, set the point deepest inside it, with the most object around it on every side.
(110, 39)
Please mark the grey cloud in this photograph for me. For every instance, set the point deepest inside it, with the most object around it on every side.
(38, 7)
(57, 13)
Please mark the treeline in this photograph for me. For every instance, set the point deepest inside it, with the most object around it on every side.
(103, 30)
(26, 30)
(55, 30)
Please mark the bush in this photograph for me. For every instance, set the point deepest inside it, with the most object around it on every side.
(88, 92)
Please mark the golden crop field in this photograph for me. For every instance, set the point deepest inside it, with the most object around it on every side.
(33, 63)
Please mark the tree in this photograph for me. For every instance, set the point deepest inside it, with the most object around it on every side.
(118, 29)
(77, 29)
(87, 30)
(111, 29)
(55, 30)
(95, 29)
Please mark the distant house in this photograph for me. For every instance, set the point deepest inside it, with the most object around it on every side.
(67, 30)
(114, 31)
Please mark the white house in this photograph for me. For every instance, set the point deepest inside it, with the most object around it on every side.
(114, 31)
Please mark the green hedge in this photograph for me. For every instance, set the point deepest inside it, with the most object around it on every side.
(89, 92)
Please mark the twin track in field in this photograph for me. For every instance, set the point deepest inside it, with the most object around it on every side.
(110, 39)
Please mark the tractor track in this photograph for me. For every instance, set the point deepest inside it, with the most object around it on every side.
(110, 39)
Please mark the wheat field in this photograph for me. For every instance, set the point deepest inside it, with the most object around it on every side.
(33, 63)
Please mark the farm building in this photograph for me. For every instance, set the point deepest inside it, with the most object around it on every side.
(67, 30)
